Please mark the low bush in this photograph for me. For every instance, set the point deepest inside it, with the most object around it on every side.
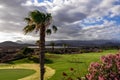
(108, 69)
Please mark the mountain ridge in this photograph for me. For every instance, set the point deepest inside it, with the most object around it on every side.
(13, 44)
(78, 43)
(73, 43)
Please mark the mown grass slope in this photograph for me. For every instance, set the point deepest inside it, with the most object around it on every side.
(80, 62)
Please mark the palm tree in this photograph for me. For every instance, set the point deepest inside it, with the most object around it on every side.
(40, 22)
(53, 45)
(65, 46)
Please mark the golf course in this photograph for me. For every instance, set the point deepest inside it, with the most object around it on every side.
(24, 69)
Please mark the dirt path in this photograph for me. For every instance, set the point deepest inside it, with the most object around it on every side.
(49, 71)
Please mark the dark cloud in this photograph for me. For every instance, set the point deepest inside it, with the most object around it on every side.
(12, 15)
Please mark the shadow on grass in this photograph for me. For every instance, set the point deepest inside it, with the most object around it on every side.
(48, 61)
(29, 60)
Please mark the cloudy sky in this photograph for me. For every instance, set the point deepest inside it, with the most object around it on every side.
(76, 19)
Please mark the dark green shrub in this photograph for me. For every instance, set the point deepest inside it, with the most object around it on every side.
(27, 51)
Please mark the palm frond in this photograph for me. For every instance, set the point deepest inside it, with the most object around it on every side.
(36, 20)
(48, 31)
(38, 17)
(48, 19)
(29, 28)
(27, 19)
(48, 16)
(54, 28)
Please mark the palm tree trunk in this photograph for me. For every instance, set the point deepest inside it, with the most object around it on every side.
(42, 52)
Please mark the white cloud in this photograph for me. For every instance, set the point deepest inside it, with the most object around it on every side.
(67, 14)
(103, 31)
(115, 11)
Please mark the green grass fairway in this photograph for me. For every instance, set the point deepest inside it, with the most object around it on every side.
(23, 71)
(14, 74)
(62, 63)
